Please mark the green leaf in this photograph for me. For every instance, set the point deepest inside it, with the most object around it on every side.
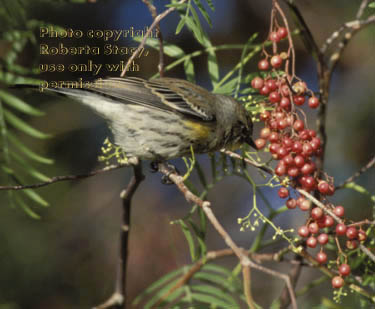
(158, 284)
(227, 88)
(172, 297)
(189, 238)
(28, 168)
(31, 194)
(197, 31)
(19, 105)
(372, 5)
(210, 4)
(29, 153)
(189, 70)
(169, 49)
(26, 208)
(180, 25)
(21, 125)
(204, 298)
(209, 289)
(213, 68)
(359, 189)
(203, 11)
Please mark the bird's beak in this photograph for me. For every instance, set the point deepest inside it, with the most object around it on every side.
(249, 141)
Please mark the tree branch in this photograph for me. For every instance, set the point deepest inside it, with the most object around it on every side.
(66, 177)
(118, 298)
(142, 44)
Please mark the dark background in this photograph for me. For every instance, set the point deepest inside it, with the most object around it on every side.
(68, 258)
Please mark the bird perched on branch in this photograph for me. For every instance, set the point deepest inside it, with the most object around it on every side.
(164, 118)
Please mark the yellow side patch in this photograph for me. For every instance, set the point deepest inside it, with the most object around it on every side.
(200, 131)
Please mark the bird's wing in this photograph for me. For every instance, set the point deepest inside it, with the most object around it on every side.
(164, 93)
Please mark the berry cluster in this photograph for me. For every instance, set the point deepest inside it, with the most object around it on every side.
(294, 147)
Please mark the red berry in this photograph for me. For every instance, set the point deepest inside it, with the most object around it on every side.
(315, 143)
(339, 211)
(298, 125)
(265, 115)
(328, 221)
(311, 242)
(282, 152)
(288, 160)
(280, 169)
(299, 100)
(291, 203)
(331, 190)
(276, 61)
(271, 83)
(299, 161)
(323, 238)
(274, 97)
(274, 37)
(264, 90)
(285, 90)
(340, 229)
(265, 133)
(287, 142)
(305, 205)
(263, 65)
(321, 257)
(361, 235)
(274, 147)
(309, 183)
(351, 244)
(307, 169)
(282, 124)
(351, 232)
(260, 143)
(304, 135)
(317, 213)
(285, 103)
(293, 171)
(274, 137)
(303, 231)
(297, 147)
(257, 82)
(323, 187)
(313, 228)
(344, 269)
(307, 149)
(283, 192)
(282, 32)
(313, 102)
(337, 282)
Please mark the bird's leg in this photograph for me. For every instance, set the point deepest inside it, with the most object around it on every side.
(165, 178)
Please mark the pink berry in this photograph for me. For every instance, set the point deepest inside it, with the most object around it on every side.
(337, 282)
(341, 229)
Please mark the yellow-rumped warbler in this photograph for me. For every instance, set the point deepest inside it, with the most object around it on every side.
(163, 118)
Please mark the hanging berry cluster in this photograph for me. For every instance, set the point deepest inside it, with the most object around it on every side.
(294, 146)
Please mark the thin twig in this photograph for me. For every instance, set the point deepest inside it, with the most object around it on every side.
(361, 9)
(65, 178)
(260, 166)
(206, 207)
(118, 298)
(142, 44)
(364, 169)
(154, 14)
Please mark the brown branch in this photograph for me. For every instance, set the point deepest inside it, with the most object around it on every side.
(118, 298)
(154, 14)
(364, 169)
(66, 177)
(206, 207)
(239, 157)
(143, 42)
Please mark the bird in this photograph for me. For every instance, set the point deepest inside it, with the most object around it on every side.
(164, 118)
